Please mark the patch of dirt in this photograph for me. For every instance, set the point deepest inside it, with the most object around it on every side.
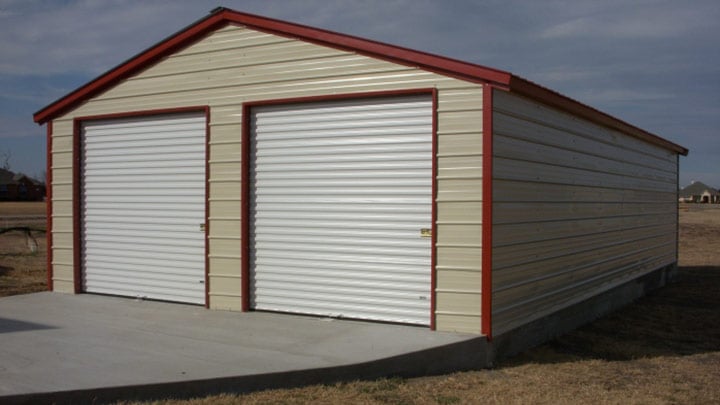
(22, 271)
(22, 208)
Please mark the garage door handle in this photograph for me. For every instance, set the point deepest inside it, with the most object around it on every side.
(202, 227)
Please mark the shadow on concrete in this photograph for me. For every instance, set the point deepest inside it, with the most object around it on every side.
(13, 325)
(679, 319)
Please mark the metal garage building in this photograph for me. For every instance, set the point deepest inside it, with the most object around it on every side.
(249, 163)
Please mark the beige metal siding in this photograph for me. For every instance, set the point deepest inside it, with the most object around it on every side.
(459, 210)
(61, 183)
(577, 209)
(235, 65)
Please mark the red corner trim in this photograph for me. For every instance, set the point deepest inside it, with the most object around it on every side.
(245, 209)
(77, 205)
(433, 240)
(487, 212)
(48, 205)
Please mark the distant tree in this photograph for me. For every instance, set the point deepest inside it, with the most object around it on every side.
(6, 156)
(41, 176)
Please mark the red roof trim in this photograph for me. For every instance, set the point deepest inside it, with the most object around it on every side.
(438, 64)
(128, 68)
(557, 100)
(428, 61)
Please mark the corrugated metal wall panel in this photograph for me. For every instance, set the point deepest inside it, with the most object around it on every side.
(212, 72)
(143, 203)
(514, 191)
(578, 209)
(549, 119)
(62, 230)
(459, 209)
(341, 191)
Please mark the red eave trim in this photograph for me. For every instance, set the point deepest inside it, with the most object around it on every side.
(557, 100)
(434, 63)
(406, 56)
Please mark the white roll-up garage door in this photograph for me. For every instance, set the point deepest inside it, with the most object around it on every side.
(341, 207)
(143, 200)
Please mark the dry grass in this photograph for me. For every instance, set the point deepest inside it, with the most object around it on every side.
(664, 349)
(13, 208)
(22, 271)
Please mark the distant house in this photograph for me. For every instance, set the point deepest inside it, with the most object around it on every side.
(699, 192)
(19, 187)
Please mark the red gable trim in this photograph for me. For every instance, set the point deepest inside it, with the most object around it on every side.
(221, 17)
(128, 68)
(405, 56)
(438, 64)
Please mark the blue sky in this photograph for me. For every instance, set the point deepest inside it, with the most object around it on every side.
(653, 63)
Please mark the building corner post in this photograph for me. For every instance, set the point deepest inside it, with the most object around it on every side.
(487, 212)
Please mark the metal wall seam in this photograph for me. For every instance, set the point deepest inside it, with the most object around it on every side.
(593, 201)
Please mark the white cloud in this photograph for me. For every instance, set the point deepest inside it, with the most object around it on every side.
(635, 20)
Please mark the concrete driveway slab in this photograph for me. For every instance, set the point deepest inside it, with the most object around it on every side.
(78, 348)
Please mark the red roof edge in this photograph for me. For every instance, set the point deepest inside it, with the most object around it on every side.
(557, 100)
(129, 67)
(221, 16)
(435, 63)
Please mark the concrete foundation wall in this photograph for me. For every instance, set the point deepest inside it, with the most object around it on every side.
(552, 326)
